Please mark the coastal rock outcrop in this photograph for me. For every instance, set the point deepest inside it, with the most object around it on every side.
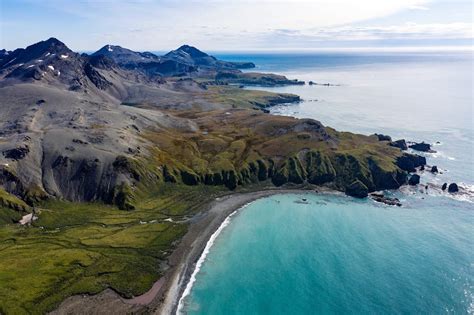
(423, 147)
(254, 78)
(414, 180)
(380, 197)
(401, 144)
(382, 137)
(409, 162)
(357, 189)
(453, 187)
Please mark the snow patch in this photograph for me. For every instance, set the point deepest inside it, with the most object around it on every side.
(10, 61)
(109, 48)
(64, 56)
(30, 66)
(39, 60)
(47, 54)
(51, 67)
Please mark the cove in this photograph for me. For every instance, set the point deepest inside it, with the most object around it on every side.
(334, 254)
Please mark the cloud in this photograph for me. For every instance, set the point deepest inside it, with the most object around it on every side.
(403, 31)
(215, 24)
(418, 7)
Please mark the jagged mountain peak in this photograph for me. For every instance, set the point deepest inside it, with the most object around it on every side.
(4, 52)
(51, 45)
(125, 56)
(36, 53)
(192, 51)
(112, 49)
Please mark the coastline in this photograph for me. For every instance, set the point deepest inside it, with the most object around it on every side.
(166, 291)
(192, 246)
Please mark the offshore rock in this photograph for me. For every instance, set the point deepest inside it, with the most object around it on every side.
(423, 147)
(408, 162)
(357, 189)
(453, 187)
(414, 180)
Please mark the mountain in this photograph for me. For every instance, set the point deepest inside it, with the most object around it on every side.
(52, 62)
(63, 123)
(126, 57)
(146, 62)
(69, 127)
(192, 56)
(184, 61)
(111, 158)
(36, 52)
(3, 54)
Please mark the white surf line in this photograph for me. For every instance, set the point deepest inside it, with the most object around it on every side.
(201, 259)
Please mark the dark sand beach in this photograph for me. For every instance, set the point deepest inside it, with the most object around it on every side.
(164, 296)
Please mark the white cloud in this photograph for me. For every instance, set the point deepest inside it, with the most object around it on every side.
(403, 31)
(237, 24)
(418, 7)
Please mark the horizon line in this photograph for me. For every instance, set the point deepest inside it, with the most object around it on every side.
(443, 48)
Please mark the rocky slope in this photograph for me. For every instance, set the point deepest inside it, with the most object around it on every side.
(65, 132)
(84, 137)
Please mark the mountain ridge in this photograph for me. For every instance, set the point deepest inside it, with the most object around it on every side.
(104, 165)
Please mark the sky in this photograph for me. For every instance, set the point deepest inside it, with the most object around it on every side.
(238, 25)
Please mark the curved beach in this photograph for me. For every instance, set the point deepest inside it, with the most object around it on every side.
(185, 257)
(164, 295)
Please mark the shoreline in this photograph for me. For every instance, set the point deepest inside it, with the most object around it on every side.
(192, 246)
(164, 295)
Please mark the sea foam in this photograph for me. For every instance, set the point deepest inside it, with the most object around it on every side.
(202, 258)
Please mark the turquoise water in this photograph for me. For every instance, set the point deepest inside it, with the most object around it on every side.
(340, 255)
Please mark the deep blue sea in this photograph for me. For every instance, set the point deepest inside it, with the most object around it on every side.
(333, 254)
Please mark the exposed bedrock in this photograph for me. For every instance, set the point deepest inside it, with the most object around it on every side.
(401, 144)
(338, 171)
(422, 146)
(409, 162)
(114, 179)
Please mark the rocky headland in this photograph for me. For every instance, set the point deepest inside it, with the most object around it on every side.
(118, 153)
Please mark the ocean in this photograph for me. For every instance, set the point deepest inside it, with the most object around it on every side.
(332, 254)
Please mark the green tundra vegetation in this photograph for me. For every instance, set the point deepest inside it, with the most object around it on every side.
(87, 247)
(77, 248)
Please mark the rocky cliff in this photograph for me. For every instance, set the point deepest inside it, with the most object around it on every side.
(91, 128)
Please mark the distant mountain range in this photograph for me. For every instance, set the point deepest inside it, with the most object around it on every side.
(62, 108)
(82, 136)
(47, 57)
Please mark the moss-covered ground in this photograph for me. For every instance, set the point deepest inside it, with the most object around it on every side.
(86, 247)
